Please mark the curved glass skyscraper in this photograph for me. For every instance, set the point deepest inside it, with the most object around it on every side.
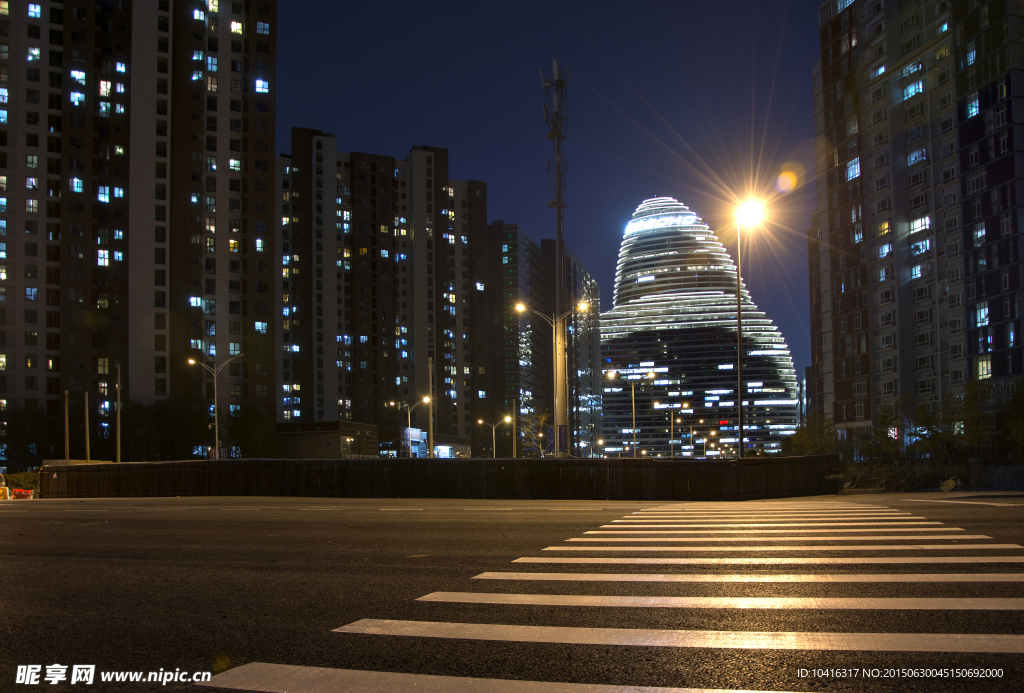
(669, 345)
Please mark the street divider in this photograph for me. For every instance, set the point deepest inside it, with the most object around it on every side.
(548, 478)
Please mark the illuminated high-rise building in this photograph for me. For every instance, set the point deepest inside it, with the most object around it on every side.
(671, 338)
(915, 265)
(135, 208)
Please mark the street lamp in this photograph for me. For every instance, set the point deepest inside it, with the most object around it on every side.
(671, 429)
(494, 444)
(214, 371)
(557, 323)
(749, 213)
(508, 419)
(408, 420)
(612, 375)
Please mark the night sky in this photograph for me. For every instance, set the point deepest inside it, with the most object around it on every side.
(697, 100)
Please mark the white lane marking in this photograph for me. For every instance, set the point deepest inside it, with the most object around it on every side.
(768, 511)
(287, 678)
(779, 524)
(830, 530)
(873, 547)
(743, 640)
(767, 516)
(890, 603)
(922, 500)
(749, 577)
(766, 560)
(902, 537)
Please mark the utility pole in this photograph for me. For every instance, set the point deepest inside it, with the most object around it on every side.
(87, 458)
(118, 460)
(67, 447)
(430, 420)
(556, 118)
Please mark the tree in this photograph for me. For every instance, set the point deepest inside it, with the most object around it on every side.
(887, 432)
(815, 437)
(253, 429)
(1011, 422)
(535, 428)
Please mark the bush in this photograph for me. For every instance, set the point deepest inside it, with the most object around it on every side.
(29, 480)
(905, 475)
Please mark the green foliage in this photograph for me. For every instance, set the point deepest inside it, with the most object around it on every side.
(815, 437)
(1011, 422)
(23, 480)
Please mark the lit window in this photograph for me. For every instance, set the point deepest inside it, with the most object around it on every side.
(853, 168)
(919, 224)
(916, 156)
(103, 193)
(119, 108)
(259, 245)
(981, 314)
(197, 75)
(234, 348)
(884, 250)
(261, 328)
(199, 14)
(195, 301)
(79, 77)
(5, 7)
(211, 63)
(31, 293)
(102, 257)
(912, 68)
(920, 247)
(119, 88)
(913, 89)
(233, 246)
(121, 67)
(917, 271)
(263, 28)
(973, 105)
(33, 10)
(104, 109)
(235, 164)
(104, 87)
(236, 27)
(77, 185)
(77, 98)
(983, 367)
(877, 71)
(262, 86)
(33, 53)
(213, 6)
(971, 54)
(31, 206)
(118, 192)
(211, 83)
(3, 94)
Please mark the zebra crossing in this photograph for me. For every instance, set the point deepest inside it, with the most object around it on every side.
(785, 536)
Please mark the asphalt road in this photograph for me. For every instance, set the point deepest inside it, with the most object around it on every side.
(864, 592)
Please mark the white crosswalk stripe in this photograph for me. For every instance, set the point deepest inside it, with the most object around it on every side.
(691, 534)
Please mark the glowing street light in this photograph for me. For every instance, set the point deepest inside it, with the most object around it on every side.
(215, 371)
(557, 323)
(612, 375)
(749, 213)
(494, 444)
(408, 419)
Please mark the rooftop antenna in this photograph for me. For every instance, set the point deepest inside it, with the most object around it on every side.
(556, 113)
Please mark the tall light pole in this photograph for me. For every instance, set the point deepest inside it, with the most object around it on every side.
(509, 419)
(748, 213)
(215, 371)
(557, 323)
(671, 429)
(494, 442)
(408, 419)
(632, 396)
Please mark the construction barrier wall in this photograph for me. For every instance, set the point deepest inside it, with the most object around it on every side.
(565, 479)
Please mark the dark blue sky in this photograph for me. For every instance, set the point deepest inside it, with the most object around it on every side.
(697, 100)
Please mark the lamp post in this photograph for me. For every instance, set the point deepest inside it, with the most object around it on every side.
(748, 213)
(408, 420)
(215, 371)
(671, 429)
(508, 419)
(632, 396)
(557, 323)
(494, 443)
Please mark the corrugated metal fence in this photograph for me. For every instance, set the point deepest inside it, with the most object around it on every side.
(582, 479)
